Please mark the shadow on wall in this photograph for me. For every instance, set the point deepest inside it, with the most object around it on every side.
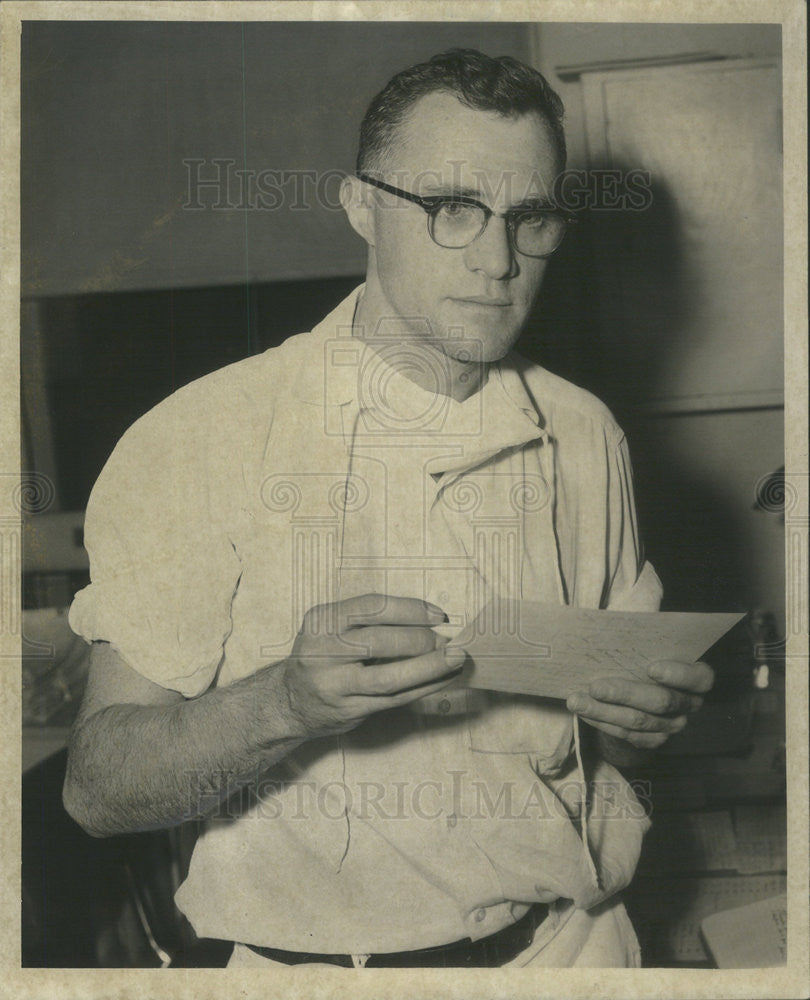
(615, 305)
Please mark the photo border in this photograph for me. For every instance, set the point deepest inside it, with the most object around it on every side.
(791, 980)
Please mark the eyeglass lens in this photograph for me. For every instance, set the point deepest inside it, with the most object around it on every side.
(457, 224)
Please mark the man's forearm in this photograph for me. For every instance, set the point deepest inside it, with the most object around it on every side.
(138, 767)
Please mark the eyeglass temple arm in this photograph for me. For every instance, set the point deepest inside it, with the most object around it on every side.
(425, 203)
(429, 203)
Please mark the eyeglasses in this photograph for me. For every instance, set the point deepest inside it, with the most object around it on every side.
(455, 221)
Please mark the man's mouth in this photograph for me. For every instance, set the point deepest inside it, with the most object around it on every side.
(483, 300)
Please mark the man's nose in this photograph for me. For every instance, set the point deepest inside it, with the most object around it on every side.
(492, 251)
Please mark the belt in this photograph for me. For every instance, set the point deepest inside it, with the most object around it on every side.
(489, 952)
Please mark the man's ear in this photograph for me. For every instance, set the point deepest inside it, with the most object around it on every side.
(356, 199)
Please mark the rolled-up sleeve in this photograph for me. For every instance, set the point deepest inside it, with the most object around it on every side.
(163, 570)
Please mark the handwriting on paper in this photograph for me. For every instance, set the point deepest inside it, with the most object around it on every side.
(524, 647)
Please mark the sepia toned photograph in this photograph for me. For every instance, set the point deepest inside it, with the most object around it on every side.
(412, 564)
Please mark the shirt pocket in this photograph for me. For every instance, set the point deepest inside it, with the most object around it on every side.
(501, 723)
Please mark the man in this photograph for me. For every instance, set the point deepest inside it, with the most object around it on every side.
(278, 547)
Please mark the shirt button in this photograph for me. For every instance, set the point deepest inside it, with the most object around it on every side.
(452, 819)
(480, 915)
(444, 706)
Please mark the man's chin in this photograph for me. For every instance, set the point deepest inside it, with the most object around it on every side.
(482, 350)
(481, 339)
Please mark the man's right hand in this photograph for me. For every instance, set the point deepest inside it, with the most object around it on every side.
(363, 655)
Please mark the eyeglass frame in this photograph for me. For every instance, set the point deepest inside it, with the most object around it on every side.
(432, 203)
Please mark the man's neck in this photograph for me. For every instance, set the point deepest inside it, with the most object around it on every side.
(424, 363)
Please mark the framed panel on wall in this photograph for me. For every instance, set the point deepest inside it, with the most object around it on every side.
(690, 269)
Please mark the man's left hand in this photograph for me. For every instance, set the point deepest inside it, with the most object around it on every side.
(644, 714)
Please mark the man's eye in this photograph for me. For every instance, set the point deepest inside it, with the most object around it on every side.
(456, 211)
(534, 220)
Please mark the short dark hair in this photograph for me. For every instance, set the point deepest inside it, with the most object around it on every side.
(487, 83)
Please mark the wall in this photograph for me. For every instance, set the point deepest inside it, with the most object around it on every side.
(111, 110)
(565, 45)
(697, 473)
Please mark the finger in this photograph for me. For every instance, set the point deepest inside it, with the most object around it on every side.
(392, 642)
(383, 609)
(644, 741)
(628, 719)
(653, 698)
(393, 678)
(374, 609)
(696, 677)
(422, 691)
(365, 705)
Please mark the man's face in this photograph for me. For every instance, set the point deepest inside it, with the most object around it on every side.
(474, 299)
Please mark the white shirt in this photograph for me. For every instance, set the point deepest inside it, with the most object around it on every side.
(315, 472)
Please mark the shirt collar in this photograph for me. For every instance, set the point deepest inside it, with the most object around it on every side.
(331, 377)
(488, 423)
(501, 415)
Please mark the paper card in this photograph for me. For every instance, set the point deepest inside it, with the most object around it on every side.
(753, 936)
(525, 647)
